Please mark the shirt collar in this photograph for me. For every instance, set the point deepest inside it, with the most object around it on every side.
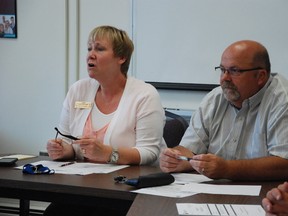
(255, 100)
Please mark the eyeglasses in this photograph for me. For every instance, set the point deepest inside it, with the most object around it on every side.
(64, 135)
(235, 71)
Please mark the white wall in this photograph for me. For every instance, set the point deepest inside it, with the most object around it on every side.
(182, 41)
(32, 76)
(37, 68)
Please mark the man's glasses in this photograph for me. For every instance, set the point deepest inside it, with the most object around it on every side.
(64, 135)
(234, 71)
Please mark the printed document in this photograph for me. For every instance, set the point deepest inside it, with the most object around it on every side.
(81, 168)
(219, 209)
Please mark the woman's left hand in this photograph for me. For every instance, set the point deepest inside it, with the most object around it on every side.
(94, 150)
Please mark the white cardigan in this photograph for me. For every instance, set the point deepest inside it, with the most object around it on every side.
(138, 121)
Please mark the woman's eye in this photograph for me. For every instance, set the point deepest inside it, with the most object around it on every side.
(99, 48)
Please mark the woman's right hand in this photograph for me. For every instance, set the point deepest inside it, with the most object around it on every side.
(59, 150)
(55, 149)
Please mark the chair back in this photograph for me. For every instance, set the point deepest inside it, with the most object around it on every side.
(174, 129)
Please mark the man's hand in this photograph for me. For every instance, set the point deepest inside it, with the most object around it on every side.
(169, 161)
(210, 165)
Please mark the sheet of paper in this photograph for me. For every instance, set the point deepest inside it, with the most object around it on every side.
(19, 156)
(180, 188)
(183, 178)
(249, 190)
(79, 168)
(219, 209)
(173, 190)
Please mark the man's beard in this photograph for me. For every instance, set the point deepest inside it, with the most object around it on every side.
(230, 91)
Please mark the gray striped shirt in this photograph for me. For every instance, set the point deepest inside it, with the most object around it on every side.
(258, 129)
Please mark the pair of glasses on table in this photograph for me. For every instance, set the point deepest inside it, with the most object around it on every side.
(65, 135)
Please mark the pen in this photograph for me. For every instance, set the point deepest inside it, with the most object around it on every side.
(66, 164)
(184, 158)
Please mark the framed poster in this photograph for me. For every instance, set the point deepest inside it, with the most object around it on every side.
(8, 19)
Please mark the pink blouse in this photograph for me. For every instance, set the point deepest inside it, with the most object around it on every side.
(88, 130)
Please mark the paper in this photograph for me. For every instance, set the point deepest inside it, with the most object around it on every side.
(79, 168)
(248, 190)
(179, 191)
(219, 209)
(190, 184)
(19, 156)
(173, 190)
(183, 178)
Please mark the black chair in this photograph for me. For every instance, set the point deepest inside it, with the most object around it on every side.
(174, 129)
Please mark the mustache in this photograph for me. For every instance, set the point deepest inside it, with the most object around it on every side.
(229, 85)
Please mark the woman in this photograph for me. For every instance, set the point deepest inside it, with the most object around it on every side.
(119, 119)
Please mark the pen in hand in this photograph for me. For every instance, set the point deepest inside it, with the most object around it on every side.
(184, 158)
(66, 164)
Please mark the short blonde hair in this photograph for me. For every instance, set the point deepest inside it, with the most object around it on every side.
(122, 45)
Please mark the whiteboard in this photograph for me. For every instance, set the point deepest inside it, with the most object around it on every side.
(181, 41)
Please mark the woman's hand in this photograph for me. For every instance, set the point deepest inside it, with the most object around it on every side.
(94, 150)
(57, 149)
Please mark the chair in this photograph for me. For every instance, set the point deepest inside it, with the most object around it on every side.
(174, 129)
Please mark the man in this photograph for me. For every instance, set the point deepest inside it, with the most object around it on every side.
(7, 28)
(12, 24)
(276, 201)
(240, 130)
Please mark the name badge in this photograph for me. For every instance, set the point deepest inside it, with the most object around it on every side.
(82, 105)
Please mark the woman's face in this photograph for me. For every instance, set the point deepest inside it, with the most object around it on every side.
(101, 61)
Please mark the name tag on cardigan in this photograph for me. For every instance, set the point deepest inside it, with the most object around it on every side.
(82, 105)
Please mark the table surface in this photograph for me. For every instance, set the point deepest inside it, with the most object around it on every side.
(149, 205)
(71, 188)
(89, 189)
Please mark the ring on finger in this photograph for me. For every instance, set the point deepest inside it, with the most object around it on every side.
(84, 151)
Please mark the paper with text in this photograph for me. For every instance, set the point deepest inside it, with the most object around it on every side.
(81, 168)
(219, 209)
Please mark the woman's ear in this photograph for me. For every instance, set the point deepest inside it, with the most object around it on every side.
(122, 60)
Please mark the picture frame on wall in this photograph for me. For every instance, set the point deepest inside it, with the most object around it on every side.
(8, 19)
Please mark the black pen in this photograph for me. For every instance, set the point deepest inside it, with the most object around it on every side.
(66, 164)
(184, 158)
